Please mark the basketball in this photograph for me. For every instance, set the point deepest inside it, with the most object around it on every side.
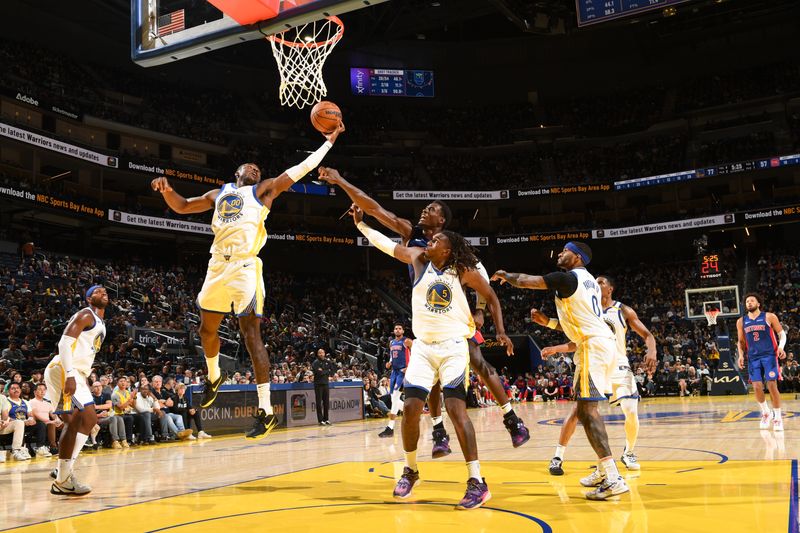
(325, 116)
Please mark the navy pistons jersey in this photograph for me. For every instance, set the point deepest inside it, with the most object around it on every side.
(417, 240)
(759, 335)
(398, 353)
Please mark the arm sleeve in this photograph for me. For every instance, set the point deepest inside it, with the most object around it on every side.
(378, 239)
(297, 172)
(564, 283)
(65, 347)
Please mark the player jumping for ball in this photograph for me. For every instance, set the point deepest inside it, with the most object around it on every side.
(434, 218)
(234, 278)
(442, 322)
(757, 331)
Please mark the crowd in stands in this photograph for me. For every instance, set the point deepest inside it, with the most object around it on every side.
(564, 157)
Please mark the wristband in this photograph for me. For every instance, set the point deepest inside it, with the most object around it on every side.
(552, 323)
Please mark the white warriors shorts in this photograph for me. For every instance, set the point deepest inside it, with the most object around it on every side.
(54, 378)
(236, 282)
(594, 368)
(445, 362)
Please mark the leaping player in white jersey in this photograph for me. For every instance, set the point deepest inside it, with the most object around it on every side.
(580, 315)
(234, 278)
(619, 318)
(442, 323)
(67, 387)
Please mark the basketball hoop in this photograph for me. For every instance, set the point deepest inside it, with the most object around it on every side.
(300, 53)
(711, 316)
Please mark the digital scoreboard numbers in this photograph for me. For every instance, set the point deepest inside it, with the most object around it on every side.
(594, 11)
(710, 267)
(391, 82)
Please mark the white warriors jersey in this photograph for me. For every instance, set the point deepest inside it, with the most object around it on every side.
(613, 317)
(439, 308)
(238, 222)
(580, 314)
(86, 346)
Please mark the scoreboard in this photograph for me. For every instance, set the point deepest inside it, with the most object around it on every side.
(594, 11)
(391, 82)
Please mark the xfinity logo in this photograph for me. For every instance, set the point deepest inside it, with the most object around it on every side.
(27, 99)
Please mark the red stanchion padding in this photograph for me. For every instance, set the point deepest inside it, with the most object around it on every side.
(248, 11)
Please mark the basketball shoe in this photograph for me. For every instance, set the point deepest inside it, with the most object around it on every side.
(210, 390)
(477, 494)
(630, 461)
(607, 489)
(777, 424)
(263, 425)
(555, 467)
(594, 479)
(386, 433)
(516, 428)
(766, 420)
(70, 487)
(441, 443)
(406, 483)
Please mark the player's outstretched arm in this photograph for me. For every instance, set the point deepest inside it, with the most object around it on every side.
(181, 205)
(474, 280)
(412, 256)
(570, 346)
(272, 188)
(401, 226)
(542, 319)
(741, 344)
(518, 280)
(650, 359)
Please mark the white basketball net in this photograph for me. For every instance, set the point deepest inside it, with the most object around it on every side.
(300, 53)
(711, 316)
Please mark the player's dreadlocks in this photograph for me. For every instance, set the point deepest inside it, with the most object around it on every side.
(462, 255)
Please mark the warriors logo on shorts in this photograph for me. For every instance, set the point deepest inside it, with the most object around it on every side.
(438, 297)
(230, 207)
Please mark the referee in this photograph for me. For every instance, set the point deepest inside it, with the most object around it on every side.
(323, 369)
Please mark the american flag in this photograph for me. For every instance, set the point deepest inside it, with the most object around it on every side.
(171, 22)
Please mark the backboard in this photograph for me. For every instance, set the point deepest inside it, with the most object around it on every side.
(724, 298)
(163, 31)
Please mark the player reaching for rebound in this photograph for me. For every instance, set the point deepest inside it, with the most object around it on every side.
(434, 218)
(398, 353)
(619, 318)
(578, 298)
(442, 323)
(67, 387)
(757, 331)
(234, 277)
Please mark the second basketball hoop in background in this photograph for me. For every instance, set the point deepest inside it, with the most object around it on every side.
(325, 116)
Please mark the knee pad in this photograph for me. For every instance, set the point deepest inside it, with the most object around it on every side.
(459, 393)
(414, 392)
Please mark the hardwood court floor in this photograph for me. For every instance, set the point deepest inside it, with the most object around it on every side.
(705, 467)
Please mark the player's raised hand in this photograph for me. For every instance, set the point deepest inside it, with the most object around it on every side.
(538, 317)
(500, 275)
(332, 136)
(329, 175)
(502, 338)
(161, 185)
(358, 214)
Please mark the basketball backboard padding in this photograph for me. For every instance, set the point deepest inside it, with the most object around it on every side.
(149, 49)
(248, 11)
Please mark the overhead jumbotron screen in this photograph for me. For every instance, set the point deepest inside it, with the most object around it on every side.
(594, 11)
(391, 82)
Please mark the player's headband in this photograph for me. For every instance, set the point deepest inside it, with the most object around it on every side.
(572, 247)
(91, 289)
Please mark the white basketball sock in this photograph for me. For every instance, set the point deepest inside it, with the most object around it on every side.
(560, 451)
(411, 460)
(474, 469)
(390, 424)
(213, 368)
(263, 397)
(764, 407)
